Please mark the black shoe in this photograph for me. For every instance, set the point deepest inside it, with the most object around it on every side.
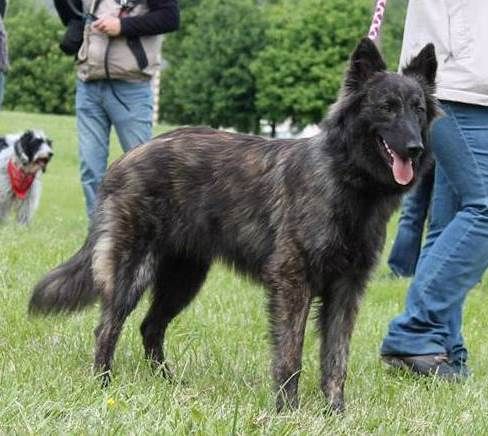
(429, 365)
(461, 368)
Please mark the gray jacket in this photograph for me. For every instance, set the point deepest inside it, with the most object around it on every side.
(3, 48)
(459, 31)
(122, 63)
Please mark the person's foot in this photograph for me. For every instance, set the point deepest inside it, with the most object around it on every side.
(429, 365)
(462, 368)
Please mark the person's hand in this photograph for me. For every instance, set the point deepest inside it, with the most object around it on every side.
(107, 25)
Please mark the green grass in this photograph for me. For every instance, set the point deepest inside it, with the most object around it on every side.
(218, 347)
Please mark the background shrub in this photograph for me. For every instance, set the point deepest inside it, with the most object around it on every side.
(209, 80)
(233, 63)
(299, 71)
(41, 77)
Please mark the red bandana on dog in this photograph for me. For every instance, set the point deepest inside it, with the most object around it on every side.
(20, 181)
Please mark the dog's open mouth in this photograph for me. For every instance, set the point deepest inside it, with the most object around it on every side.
(401, 168)
(42, 162)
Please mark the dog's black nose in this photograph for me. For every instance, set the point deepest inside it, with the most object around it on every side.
(50, 155)
(414, 149)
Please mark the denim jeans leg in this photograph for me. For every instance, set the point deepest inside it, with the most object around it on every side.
(444, 206)
(133, 126)
(93, 139)
(406, 247)
(2, 87)
(455, 256)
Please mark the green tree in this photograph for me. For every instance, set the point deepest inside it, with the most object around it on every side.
(299, 72)
(208, 80)
(392, 32)
(41, 77)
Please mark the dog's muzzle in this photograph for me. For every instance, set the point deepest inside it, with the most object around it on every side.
(44, 159)
(414, 150)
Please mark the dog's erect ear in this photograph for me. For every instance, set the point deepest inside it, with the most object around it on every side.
(423, 65)
(366, 60)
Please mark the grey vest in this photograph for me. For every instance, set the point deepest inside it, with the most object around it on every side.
(122, 63)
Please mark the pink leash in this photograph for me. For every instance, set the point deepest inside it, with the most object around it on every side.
(377, 20)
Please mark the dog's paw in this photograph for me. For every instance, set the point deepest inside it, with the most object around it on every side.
(105, 379)
(335, 407)
(284, 402)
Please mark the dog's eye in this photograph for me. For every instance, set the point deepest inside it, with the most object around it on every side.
(386, 107)
(419, 109)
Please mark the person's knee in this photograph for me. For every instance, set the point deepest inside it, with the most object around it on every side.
(478, 212)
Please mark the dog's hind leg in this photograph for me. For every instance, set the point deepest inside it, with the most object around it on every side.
(130, 280)
(176, 282)
(289, 304)
(337, 317)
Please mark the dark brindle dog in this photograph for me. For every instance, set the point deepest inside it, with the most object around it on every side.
(306, 218)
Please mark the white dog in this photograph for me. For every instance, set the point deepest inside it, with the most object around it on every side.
(22, 157)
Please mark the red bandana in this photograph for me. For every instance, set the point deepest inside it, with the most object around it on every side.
(20, 181)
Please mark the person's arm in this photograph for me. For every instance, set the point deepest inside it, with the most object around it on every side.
(3, 6)
(163, 17)
(65, 11)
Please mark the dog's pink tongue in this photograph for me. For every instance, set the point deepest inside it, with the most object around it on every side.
(402, 169)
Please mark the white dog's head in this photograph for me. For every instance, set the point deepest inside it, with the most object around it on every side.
(33, 150)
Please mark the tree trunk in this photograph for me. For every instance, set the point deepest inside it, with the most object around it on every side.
(273, 129)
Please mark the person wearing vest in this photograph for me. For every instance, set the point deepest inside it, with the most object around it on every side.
(3, 50)
(119, 54)
(426, 338)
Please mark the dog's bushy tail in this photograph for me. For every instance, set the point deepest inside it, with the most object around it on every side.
(68, 287)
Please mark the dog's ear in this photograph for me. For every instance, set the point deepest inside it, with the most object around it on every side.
(365, 61)
(24, 159)
(27, 137)
(21, 146)
(423, 65)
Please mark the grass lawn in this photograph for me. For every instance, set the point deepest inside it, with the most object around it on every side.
(218, 347)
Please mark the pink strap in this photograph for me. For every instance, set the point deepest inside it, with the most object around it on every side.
(377, 21)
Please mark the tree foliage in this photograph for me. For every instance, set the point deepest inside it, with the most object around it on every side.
(299, 72)
(392, 32)
(232, 63)
(209, 80)
(41, 77)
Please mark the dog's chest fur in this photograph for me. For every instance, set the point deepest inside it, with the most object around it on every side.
(8, 200)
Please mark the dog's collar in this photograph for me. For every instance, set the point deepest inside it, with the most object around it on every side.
(20, 180)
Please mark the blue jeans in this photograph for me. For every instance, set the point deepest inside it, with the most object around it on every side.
(2, 87)
(406, 247)
(97, 109)
(455, 253)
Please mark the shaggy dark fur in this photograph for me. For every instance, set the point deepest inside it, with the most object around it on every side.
(307, 218)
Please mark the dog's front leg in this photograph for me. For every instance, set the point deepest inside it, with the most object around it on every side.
(336, 322)
(4, 209)
(29, 205)
(289, 305)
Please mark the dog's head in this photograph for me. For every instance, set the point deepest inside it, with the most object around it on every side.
(33, 150)
(393, 113)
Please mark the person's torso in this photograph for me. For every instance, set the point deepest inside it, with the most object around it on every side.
(121, 61)
(459, 31)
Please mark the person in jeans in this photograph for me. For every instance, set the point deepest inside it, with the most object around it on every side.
(119, 55)
(3, 51)
(426, 338)
(405, 251)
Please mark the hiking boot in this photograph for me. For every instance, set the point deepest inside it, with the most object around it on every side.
(429, 365)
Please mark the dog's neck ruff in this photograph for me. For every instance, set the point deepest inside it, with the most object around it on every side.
(20, 181)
